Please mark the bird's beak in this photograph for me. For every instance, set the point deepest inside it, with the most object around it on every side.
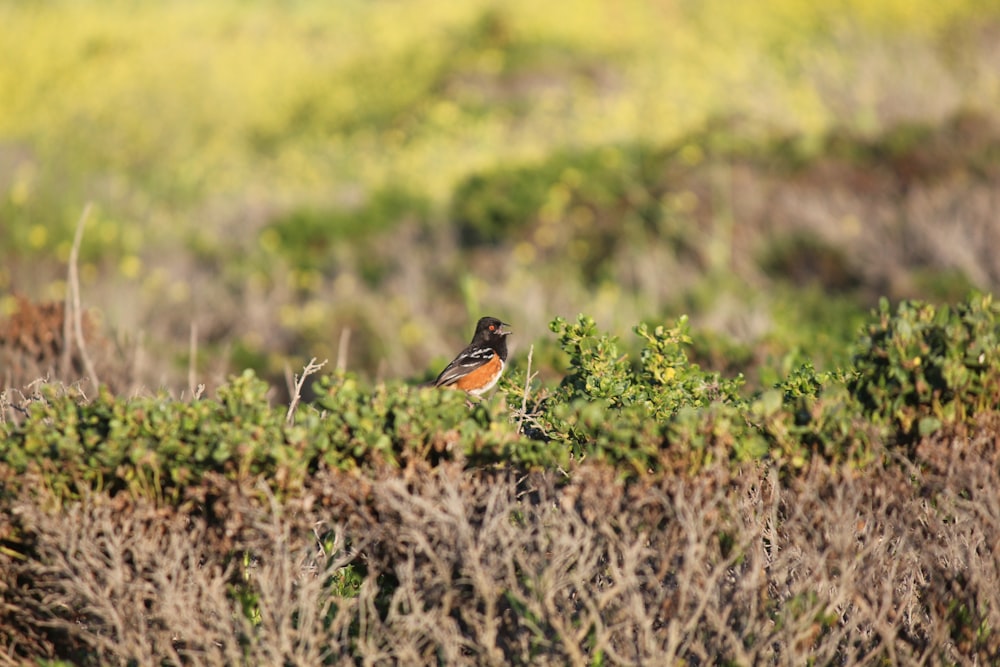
(504, 332)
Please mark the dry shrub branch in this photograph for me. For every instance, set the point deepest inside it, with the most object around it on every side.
(896, 564)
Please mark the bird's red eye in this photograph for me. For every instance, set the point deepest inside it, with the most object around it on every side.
(492, 327)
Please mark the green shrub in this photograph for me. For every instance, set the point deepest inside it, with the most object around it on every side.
(810, 414)
(394, 424)
(151, 447)
(698, 436)
(158, 447)
(925, 366)
(664, 412)
(916, 370)
(663, 381)
(609, 409)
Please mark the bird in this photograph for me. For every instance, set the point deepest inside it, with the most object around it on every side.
(477, 368)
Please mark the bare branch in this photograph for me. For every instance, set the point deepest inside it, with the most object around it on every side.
(311, 367)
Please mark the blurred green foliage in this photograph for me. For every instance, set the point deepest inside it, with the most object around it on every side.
(156, 109)
(584, 204)
(305, 237)
(492, 206)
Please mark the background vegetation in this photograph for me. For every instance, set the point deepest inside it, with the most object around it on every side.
(279, 173)
(770, 437)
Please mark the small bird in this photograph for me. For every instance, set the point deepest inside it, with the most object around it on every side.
(477, 368)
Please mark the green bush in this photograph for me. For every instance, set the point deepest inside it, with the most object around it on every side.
(394, 424)
(158, 447)
(809, 414)
(610, 409)
(916, 370)
(925, 367)
(662, 381)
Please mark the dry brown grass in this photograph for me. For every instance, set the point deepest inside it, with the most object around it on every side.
(34, 347)
(897, 564)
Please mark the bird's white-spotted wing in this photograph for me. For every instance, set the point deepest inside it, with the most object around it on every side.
(469, 360)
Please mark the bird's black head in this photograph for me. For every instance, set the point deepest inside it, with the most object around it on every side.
(490, 332)
(490, 329)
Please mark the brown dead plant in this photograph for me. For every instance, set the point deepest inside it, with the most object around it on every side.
(895, 564)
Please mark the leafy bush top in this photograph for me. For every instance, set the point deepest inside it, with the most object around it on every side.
(158, 447)
(925, 366)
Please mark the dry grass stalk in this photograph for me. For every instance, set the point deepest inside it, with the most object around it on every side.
(194, 388)
(342, 346)
(73, 312)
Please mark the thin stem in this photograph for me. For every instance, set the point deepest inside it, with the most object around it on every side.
(527, 390)
(72, 311)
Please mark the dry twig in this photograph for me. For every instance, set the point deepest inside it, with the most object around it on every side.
(528, 377)
(311, 367)
(195, 389)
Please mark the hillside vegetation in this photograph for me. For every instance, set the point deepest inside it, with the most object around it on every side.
(752, 407)
(277, 174)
